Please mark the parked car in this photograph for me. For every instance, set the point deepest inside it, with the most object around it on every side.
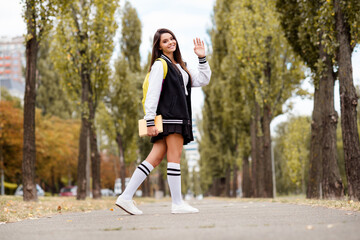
(106, 192)
(39, 190)
(69, 191)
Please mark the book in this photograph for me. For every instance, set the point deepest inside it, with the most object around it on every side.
(143, 126)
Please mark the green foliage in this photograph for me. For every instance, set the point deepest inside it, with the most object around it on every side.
(5, 96)
(41, 14)
(251, 64)
(309, 24)
(291, 153)
(259, 44)
(84, 45)
(51, 97)
(122, 106)
(131, 37)
(122, 101)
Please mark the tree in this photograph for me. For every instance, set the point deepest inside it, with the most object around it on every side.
(84, 47)
(219, 128)
(38, 17)
(347, 19)
(292, 155)
(122, 106)
(57, 145)
(270, 73)
(122, 101)
(309, 28)
(131, 37)
(11, 142)
(51, 96)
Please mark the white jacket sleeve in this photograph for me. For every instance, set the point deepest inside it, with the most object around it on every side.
(201, 76)
(154, 90)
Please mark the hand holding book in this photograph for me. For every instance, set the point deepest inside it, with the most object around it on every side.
(143, 130)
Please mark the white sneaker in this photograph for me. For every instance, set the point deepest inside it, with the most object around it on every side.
(183, 208)
(128, 206)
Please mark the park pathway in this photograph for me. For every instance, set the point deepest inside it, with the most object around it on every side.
(217, 220)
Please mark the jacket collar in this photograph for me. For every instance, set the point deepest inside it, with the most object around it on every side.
(165, 57)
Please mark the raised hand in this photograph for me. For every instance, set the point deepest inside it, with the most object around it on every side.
(199, 48)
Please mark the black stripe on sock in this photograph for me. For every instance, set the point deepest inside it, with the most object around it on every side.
(174, 174)
(173, 169)
(142, 170)
(146, 168)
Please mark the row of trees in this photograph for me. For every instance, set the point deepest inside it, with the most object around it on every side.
(80, 50)
(256, 62)
(75, 80)
(260, 50)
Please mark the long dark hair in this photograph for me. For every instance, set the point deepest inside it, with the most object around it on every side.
(156, 52)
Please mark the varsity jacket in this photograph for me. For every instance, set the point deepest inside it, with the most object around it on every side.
(172, 97)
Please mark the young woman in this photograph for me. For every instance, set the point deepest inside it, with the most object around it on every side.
(170, 98)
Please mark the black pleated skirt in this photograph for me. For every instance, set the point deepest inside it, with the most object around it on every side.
(183, 129)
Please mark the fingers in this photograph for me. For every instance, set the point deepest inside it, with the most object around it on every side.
(152, 132)
(198, 42)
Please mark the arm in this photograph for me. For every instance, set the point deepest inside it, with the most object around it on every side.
(202, 76)
(153, 96)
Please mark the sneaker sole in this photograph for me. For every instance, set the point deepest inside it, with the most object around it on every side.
(124, 209)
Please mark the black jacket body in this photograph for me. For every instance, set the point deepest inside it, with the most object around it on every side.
(174, 104)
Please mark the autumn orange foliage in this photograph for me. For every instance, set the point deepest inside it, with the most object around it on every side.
(56, 147)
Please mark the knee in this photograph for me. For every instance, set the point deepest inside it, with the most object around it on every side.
(174, 157)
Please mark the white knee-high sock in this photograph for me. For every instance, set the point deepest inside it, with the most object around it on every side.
(174, 180)
(139, 175)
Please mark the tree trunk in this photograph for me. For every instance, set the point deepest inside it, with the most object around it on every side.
(95, 156)
(227, 181)
(254, 164)
(315, 164)
(146, 187)
(246, 178)
(29, 149)
(122, 161)
(161, 182)
(259, 147)
(268, 180)
(332, 187)
(84, 133)
(349, 101)
(53, 188)
(235, 183)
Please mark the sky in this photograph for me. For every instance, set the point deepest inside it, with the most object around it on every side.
(188, 19)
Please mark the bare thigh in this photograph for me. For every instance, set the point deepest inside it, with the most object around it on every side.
(174, 143)
(157, 153)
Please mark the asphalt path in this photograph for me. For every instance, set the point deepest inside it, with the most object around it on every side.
(217, 220)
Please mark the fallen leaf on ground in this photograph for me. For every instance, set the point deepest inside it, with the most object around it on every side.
(330, 226)
(309, 227)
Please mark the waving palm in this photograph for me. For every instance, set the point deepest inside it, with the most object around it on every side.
(199, 48)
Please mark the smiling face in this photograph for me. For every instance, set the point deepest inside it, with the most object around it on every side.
(167, 43)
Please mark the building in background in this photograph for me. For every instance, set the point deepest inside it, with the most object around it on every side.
(12, 62)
